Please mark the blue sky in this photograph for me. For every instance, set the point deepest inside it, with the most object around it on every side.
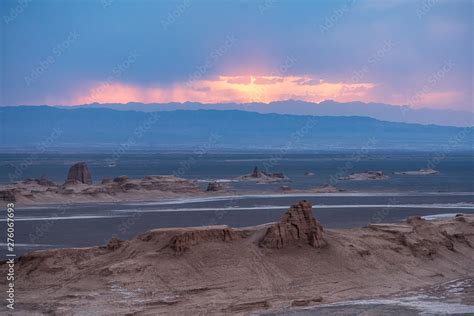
(399, 52)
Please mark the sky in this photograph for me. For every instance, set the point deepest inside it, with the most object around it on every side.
(408, 52)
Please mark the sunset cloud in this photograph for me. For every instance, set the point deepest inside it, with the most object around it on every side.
(240, 89)
(400, 53)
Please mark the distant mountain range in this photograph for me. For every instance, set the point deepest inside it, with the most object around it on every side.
(44, 128)
(385, 112)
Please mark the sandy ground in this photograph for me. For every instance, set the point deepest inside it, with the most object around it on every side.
(33, 194)
(220, 270)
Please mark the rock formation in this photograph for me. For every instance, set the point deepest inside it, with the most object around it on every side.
(43, 181)
(7, 195)
(327, 188)
(263, 176)
(169, 184)
(186, 240)
(79, 173)
(121, 179)
(105, 181)
(256, 173)
(369, 175)
(421, 172)
(78, 189)
(215, 186)
(221, 270)
(424, 238)
(297, 225)
(260, 174)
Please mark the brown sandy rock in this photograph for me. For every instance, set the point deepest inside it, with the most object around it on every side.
(131, 186)
(114, 243)
(94, 190)
(297, 225)
(369, 175)
(68, 191)
(263, 176)
(327, 188)
(43, 181)
(106, 180)
(7, 195)
(421, 172)
(239, 277)
(425, 238)
(79, 173)
(121, 179)
(168, 183)
(246, 307)
(215, 186)
(306, 302)
(256, 173)
(187, 239)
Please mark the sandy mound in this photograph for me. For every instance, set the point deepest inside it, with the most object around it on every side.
(218, 269)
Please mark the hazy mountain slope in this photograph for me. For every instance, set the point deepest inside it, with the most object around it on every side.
(385, 112)
(105, 128)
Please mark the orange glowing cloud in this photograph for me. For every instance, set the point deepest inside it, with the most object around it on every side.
(239, 89)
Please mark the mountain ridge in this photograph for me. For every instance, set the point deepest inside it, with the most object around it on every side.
(385, 112)
(25, 126)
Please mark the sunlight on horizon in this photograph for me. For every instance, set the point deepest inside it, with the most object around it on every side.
(225, 88)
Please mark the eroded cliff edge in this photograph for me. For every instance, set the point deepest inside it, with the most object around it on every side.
(220, 269)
